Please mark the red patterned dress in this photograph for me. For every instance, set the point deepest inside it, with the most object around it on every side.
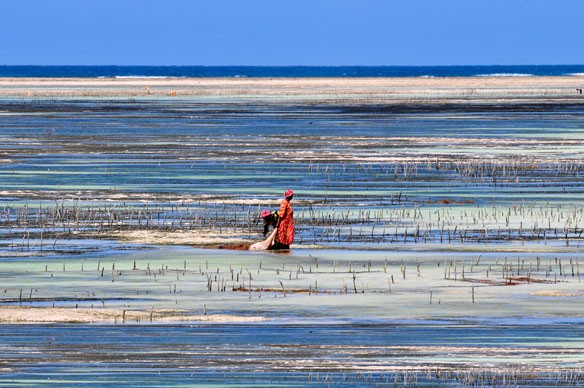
(286, 227)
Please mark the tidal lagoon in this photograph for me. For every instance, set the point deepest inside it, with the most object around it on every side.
(439, 231)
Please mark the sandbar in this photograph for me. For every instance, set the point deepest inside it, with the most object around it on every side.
(97, 315)
(371, 91)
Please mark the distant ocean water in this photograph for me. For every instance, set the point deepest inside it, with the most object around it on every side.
(287, 71)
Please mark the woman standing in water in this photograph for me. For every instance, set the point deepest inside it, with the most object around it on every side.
(286, 223)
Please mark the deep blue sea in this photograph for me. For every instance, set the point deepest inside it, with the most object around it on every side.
(289, 71)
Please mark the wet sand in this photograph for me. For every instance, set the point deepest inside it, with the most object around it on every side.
(44, 315)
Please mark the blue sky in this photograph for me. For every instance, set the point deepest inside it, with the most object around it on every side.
(291, 32)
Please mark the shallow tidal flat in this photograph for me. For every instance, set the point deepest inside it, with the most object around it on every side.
(439, 230)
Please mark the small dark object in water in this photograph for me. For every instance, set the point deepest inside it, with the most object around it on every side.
(235, 247)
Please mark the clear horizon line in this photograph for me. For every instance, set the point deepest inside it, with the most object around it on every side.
(332, 66)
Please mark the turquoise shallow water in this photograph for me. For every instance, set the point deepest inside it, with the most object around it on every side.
(342, 161)
(366, 180)
(208, 148)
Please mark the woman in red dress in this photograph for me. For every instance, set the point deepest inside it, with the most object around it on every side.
(286, 224)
